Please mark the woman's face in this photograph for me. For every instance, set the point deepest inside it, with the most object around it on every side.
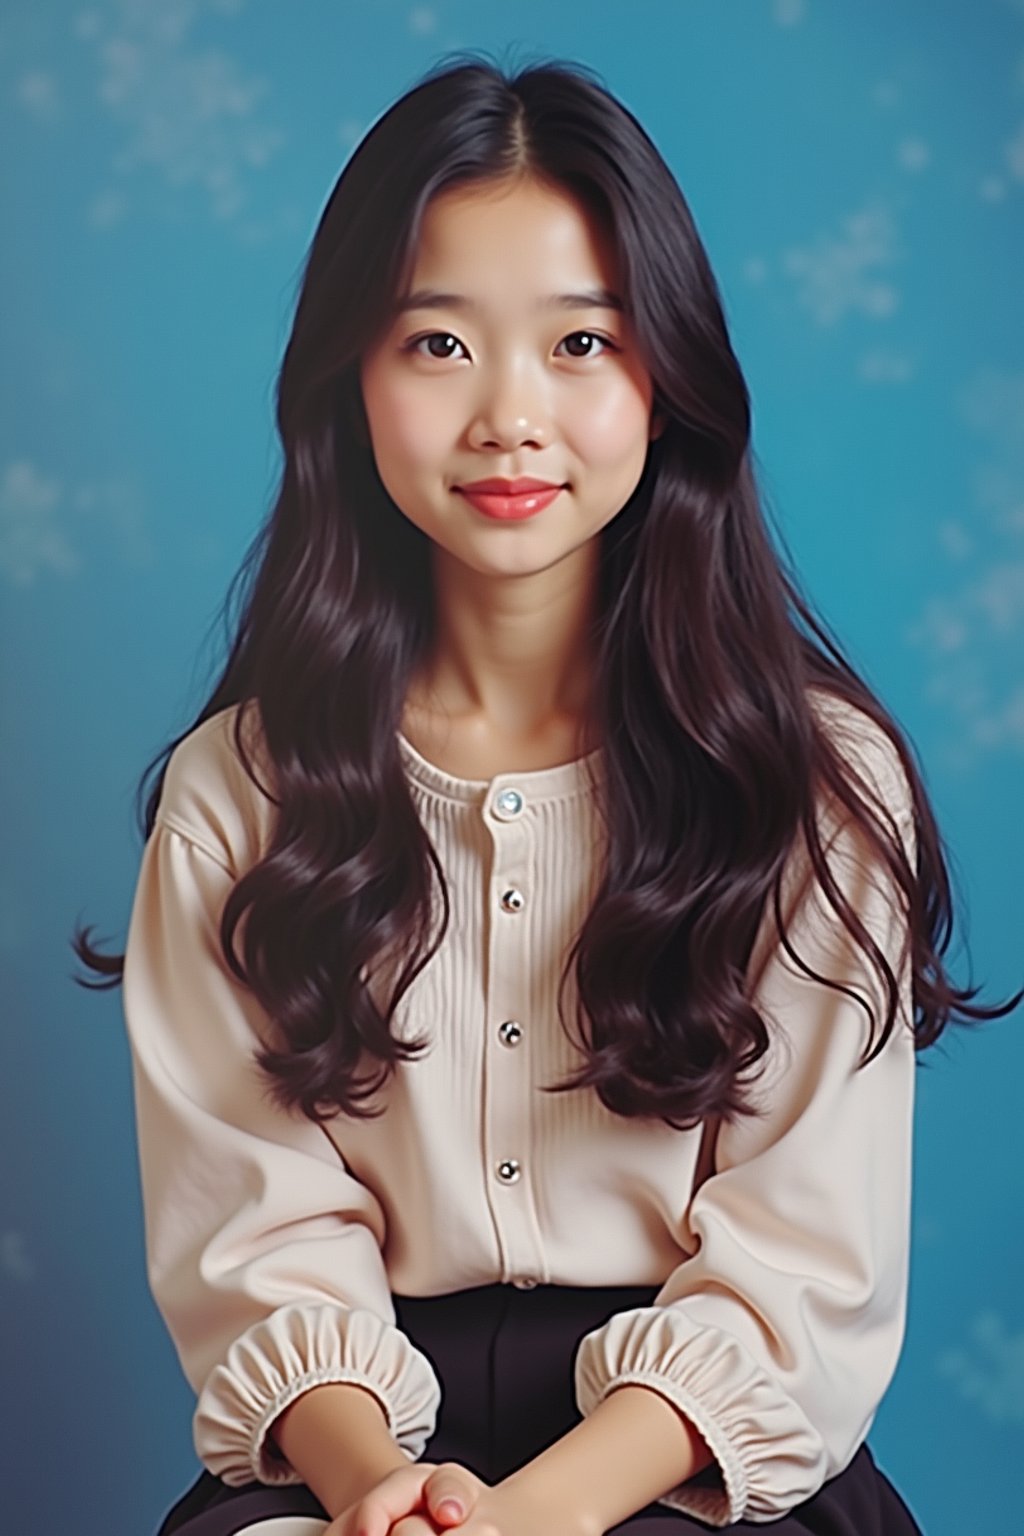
(496, 380)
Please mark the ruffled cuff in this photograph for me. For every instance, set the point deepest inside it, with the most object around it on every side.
(302, 1345)
(770, 1457)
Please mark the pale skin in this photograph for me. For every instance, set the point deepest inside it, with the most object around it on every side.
(501, 384)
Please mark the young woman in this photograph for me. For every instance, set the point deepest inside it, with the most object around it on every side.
(523, 712)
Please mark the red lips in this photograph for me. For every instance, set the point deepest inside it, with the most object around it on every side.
(526, 499)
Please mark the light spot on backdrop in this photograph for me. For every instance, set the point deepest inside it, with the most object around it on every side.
(913, 154)
(885, 365)
(349, 132)
(1013, 154)
(14, 924)
(973, 632)
(849, 270)
(992, 189)
(39, 94)
(15, 1263)
(191, 117)
(788, 13)
(47, 530)
(955, 540)
(989, 1369)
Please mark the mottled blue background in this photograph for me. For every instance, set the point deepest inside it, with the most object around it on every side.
(857, 173)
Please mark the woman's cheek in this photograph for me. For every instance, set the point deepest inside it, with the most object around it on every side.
(420, 425)
(399, 417)
(611, 427)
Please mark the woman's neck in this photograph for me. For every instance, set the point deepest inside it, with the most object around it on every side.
(471, 745)
(510, 658)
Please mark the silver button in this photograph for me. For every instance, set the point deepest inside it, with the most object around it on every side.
(513, 900)
(508, 1170)
(508, 803)
(510, 1033)
(524, 1283)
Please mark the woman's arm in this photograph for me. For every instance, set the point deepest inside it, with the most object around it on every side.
(634, 1447)
(336, 1437)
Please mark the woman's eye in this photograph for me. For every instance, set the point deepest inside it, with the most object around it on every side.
(415, 344)
(591, 336)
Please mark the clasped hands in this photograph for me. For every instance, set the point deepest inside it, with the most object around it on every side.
(417, 1501)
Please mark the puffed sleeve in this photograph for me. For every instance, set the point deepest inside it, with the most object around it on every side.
(264, 1253)
(779, 1333)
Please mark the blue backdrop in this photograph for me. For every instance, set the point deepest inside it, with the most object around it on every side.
(857, 173)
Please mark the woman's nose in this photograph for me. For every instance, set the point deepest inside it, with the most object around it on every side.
(511, 411)
(487, 431)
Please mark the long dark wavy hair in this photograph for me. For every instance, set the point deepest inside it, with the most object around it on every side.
(704, 654)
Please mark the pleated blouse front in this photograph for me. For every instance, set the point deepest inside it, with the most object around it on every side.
(781, 1244)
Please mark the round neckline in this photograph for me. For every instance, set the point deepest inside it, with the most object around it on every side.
(562, 781)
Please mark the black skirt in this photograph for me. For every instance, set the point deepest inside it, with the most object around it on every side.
(504, 1358)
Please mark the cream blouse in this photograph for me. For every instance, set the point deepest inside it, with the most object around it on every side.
(781, 1243)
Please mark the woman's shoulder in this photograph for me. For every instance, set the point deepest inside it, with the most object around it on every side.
(867, 746)
(210, 796)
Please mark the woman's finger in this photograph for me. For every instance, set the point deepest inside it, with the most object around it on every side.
(451, 1492)
(396, 1495)
(413, 1525)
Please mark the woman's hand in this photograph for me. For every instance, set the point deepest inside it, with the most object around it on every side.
(421, 1491)
(509, 1509)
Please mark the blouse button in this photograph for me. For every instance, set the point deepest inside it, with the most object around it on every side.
(510, 1033)
(508, 1170)
(508, 803)
(513, 900)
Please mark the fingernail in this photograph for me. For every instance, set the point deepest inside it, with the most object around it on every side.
(451, 1507)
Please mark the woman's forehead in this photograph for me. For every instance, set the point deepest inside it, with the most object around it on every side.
(474, 251)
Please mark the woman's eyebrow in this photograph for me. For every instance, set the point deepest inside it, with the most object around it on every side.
(590, 298)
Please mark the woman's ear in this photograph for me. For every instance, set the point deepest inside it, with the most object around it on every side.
(659, 421)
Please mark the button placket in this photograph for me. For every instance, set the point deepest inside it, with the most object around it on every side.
(507, 1111)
